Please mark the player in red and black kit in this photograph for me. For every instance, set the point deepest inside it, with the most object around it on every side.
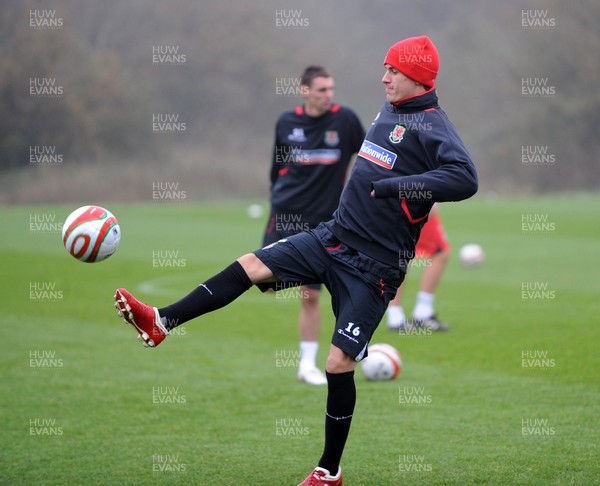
(411, 158)
(313, 148)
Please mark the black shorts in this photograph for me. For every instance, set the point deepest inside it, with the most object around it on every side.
(283, 225)
(360, 287)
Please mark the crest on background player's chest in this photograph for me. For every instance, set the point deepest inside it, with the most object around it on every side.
(331, 138)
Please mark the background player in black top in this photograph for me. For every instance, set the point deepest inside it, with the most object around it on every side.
(314, 144)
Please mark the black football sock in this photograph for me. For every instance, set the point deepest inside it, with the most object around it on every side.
(216, 292)
(341, 398)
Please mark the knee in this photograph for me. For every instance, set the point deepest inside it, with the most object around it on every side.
(339, 362)
(310, 297)
(443, 256)
(257, 271)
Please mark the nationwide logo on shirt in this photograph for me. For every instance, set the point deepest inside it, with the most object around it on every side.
(318, 156)
(378, 155)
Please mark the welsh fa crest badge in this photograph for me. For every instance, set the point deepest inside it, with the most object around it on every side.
(397, 133)
(331, 138)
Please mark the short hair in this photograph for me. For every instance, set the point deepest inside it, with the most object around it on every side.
(312, 72)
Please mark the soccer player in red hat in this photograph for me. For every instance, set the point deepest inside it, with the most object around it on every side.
(362, 254)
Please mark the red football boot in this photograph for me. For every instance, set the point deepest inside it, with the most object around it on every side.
(142, 317)
(321, 477)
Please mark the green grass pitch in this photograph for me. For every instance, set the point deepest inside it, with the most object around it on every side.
(510, 396)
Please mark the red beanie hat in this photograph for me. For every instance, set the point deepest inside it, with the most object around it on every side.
(415, 57)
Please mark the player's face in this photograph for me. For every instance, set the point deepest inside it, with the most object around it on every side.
(318, 97)
(398, 86)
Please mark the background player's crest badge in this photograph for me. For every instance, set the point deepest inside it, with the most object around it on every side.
(397, 133)
(332, 138)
